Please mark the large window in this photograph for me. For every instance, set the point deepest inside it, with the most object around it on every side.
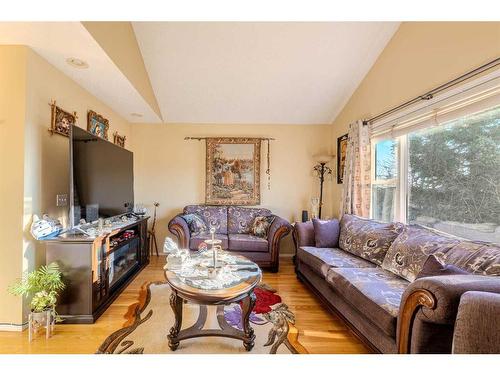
(446, 176)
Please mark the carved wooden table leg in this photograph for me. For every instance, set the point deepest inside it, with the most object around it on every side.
(176, 304)
(248, 304)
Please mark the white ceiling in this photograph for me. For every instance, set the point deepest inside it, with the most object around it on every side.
(254, 72)
(57, 41)
(221, 72)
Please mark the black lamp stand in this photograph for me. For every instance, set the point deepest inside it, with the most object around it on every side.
(321, 170)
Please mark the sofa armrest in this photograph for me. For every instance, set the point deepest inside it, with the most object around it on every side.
(478, 313)
(178, 227)
(303, 234)
(278, 229)
(437, 299)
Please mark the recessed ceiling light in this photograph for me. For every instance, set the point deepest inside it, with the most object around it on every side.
(77, 63)
(134, 114)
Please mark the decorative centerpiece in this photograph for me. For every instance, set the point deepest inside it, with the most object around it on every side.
(176, 257)
(44, 285)
(215, 247)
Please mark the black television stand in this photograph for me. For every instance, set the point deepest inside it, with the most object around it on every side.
(97, 268)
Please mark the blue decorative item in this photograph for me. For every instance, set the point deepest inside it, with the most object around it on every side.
(45, 228)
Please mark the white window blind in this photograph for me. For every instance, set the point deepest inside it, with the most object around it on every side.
(475, 96)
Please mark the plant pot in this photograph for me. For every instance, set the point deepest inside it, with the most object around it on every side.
(45, 319)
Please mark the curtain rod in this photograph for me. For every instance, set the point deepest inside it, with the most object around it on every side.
(202, 138)
(430, 94)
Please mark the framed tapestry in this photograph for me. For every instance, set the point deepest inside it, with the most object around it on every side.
(341, 151)
(233, 171)
(97, 125)
(61, 120)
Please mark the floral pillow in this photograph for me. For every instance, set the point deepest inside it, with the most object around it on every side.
(368, 239)
(196, 224)
(409, 252)
(261, 225)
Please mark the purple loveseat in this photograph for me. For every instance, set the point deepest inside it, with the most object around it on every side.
(371, 280)
(233, 227)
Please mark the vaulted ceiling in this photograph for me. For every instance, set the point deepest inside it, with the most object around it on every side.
(213, 72)
(247, 72)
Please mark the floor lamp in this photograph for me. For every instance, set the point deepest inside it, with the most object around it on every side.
(321, 170)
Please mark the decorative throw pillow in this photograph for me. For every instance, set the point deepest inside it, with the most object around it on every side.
(410, 250)
(433, 267)
(477, 257)
(326, 232)
(368, 239)
(261, 225)
(196, 224)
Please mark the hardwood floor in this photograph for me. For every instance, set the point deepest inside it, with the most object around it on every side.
(319, 331)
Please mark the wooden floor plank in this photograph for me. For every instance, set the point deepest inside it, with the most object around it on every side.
(319, 330)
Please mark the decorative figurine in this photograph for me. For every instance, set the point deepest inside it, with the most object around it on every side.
(169, 246)
(152, 233)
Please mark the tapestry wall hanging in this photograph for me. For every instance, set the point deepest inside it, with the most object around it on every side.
(233, 171)
(341, 150)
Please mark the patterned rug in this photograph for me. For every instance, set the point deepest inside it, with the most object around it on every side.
(150, 319)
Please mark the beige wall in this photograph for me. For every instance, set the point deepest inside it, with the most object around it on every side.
(12, 111)
(172, 171)
(35, 162)
(419, 57)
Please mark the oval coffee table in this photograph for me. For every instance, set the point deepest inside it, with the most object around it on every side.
(198, 287)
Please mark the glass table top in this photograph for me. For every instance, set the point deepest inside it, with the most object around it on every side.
(197, 271)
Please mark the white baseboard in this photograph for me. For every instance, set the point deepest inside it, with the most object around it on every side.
(13, 327)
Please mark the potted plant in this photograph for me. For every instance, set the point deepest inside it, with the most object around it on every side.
(44, 285)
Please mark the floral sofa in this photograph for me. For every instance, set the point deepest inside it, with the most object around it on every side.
(372, 280)
(233, 227)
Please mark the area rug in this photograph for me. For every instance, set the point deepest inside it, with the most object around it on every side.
(149, 321)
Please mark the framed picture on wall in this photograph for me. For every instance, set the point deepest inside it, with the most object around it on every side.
(341, 151)
(119, 139)
(97, 125)
(233, 171)
(61, 120)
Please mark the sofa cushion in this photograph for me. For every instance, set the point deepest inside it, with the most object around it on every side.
(321, 259)
(366, 238)
(326, 232)
(196, 224)
(410, 250)
(240, 219)
(195, 241)
(213, 216)
(433, 267)
(247, 242)
(261, 225)
(374, 292)
(476, 257)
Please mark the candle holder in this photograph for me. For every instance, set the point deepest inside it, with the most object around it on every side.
(215, 246)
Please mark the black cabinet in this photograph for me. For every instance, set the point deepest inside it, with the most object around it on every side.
(96, 270)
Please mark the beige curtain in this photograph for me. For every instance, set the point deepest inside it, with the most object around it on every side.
(356, 190)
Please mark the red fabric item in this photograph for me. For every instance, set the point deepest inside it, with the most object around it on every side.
(265, 299)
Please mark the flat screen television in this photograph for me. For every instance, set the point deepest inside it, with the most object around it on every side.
(102, 178)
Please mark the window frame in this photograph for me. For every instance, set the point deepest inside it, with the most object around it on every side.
(402, 170)
(402, 195)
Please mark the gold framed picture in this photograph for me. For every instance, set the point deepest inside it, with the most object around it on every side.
(233, 171)
(97, 125)
(61, 120)
(119, 139)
